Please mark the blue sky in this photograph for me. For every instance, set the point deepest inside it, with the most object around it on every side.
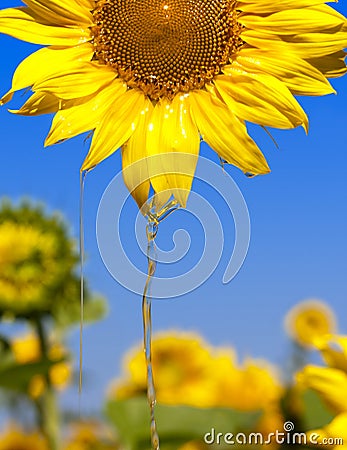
(298, 242)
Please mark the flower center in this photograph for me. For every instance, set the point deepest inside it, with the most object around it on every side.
(166, 46)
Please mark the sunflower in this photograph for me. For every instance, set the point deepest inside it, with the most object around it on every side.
(13, 437)
(37, 260)
(38, 267)
(308, 322)
(153, 77)
(183, 367)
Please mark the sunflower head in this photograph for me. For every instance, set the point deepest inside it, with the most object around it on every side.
(166, 47)
(36, 258)
(155, 77)
(182, 363)
(309, 321)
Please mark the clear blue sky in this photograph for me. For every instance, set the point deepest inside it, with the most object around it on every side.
(298, 244)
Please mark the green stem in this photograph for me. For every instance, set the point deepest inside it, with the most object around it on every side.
(47, 403)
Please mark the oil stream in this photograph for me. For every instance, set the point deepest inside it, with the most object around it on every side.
(153, 220)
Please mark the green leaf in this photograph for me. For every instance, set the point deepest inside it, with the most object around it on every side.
(315, 412)
(67, 315)
(18, 376)
(176, 424)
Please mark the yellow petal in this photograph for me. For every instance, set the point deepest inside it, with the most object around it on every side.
(77, 119)
(61, 12)
(86, 4)
(260, 98)
(330, 384)
(173, 139)
(38, 103)
(295, 21)
(226, 134)
(134, 163)
(309, 45)
(24, 24)
(297, 74)
(337, 429)
(331, 65)
(334, 350)
(76, 79)
(270, 6)
(118, 124)
(45, 63)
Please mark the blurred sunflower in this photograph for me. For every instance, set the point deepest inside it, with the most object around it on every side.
(333, 436)
(16, 439)
(330, 383)
(153, 76)
(190, 372)
(252, 386)
(90, 435)
(183, 369)
(26, 349)
(36, 260)
(309, 321)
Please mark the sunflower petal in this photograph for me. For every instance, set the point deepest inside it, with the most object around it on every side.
(309, 45)
(87, 4)
(269, 6)
(61, 12)
(83, 117)
(295, 21)
(44, 63)
(331, 384)
(225, 134)
(260, 98)
(297, 74)
(24, 24)
(135, 173)
(39, 103)
(118, 124)
(76, 79)
(331, 66)
(173, 142)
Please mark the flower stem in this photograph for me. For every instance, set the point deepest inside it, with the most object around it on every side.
(47, 403)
